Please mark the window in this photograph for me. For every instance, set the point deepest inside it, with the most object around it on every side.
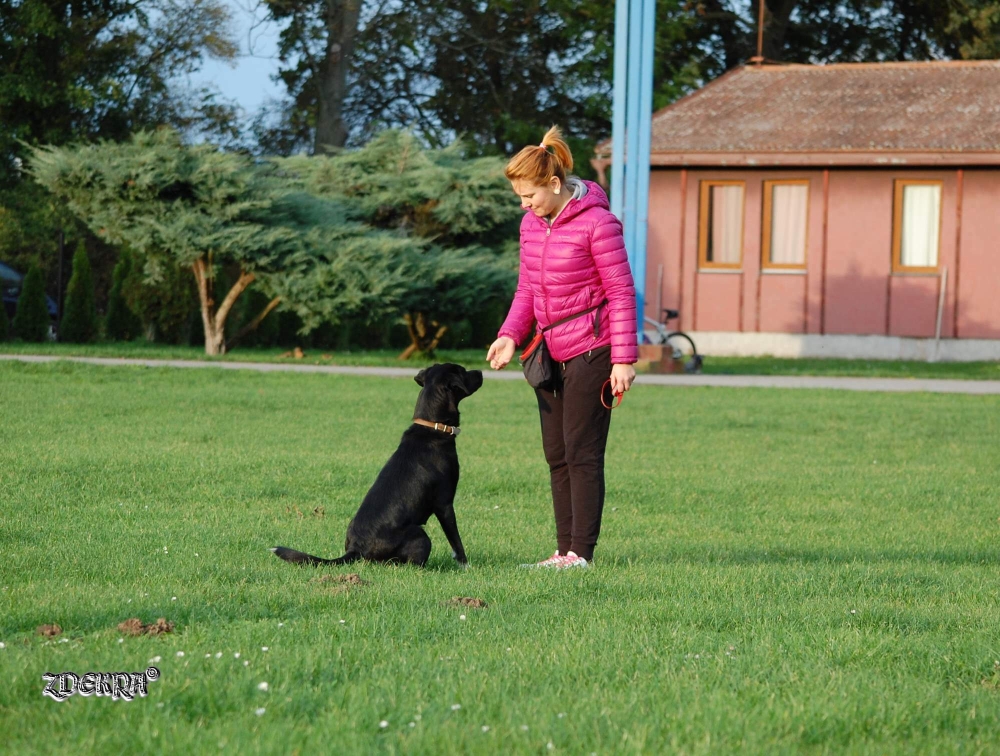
(720, 239)
(786, 220)
(916, 226)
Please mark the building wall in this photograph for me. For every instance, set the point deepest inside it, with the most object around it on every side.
(848, 286)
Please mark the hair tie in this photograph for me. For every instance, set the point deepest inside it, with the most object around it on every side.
(542, 145)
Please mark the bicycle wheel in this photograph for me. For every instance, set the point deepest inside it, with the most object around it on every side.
(684, 351)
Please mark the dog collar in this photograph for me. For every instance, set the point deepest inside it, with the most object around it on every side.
(452, 430)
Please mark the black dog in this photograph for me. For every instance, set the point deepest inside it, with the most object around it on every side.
(419, 480)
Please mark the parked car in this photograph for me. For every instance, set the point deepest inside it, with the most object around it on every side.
(10, 289)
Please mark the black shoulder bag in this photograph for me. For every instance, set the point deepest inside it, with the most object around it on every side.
(539, 369)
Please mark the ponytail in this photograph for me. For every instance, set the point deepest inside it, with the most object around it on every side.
(538, 163)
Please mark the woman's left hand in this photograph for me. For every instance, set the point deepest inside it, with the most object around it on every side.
(621, 378)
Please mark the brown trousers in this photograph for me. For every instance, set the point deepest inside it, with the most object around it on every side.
(574, 435)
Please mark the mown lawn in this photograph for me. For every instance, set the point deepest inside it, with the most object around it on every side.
(389, 358)
(780, 571)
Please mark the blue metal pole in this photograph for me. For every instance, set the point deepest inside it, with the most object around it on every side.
(642, 154)
(618, 112)
(632, 129)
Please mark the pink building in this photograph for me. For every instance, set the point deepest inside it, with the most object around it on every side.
(844, 210)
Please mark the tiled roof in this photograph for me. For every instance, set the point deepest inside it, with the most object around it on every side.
(835, 110)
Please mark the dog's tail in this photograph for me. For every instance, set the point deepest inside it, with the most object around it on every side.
(298, 557)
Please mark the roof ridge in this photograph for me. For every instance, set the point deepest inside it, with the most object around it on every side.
(877, 65)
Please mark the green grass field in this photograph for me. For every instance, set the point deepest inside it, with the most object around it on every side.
(388, 358)
(780, 571)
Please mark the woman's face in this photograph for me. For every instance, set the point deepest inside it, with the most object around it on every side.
(541, 200)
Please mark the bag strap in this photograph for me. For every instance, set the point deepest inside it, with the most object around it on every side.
(578, 315)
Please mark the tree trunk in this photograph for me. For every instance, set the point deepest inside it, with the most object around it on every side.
(214, 321)
(331, 86)
(776, 27)
(422, 339)
(252, 325)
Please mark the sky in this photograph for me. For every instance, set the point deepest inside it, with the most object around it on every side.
(248, 82)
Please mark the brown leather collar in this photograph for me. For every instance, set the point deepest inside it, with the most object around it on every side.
(453, 430)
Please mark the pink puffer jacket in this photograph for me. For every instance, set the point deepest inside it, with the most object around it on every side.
(568, 268)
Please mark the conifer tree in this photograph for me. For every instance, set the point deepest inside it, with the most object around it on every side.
(460, 209)
(122, 323)
(196, 207)
(79, 321)
(4, 323)
(31, 321)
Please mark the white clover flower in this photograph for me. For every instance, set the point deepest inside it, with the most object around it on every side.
(260, 711)
(383, 724)
(263, 648)
(456, 707)
(180, 653)
(263, 686)
(486, 728)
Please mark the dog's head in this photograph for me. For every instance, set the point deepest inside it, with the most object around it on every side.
(453, 378)
(443, 386)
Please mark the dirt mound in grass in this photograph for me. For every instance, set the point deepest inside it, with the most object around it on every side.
(134, 626)
(351, 578)
(49, 631)
(466, 601)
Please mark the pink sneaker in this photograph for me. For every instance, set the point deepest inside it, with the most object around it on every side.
(552, 561)
(571, 560)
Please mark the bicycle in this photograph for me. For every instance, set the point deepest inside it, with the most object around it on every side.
(681, 345)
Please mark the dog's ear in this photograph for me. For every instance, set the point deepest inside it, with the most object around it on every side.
(419, 377)
(473, 381)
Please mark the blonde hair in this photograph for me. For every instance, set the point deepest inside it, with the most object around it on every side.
(537, 164)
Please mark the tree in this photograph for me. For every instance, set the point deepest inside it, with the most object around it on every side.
(496, 72)
(82, 70)
(459, 211)
(316, 47)
(164, 297)
(79, 321)
(31, 321)
(200, 209)
(122, 323)
(4, 323)
(88, 69)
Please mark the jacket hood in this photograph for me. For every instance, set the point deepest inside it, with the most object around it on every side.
(592, 196)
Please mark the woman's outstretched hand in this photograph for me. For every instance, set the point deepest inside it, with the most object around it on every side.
(621, 378)
(501, 352)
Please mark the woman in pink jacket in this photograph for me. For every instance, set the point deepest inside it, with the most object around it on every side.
(573, 263)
